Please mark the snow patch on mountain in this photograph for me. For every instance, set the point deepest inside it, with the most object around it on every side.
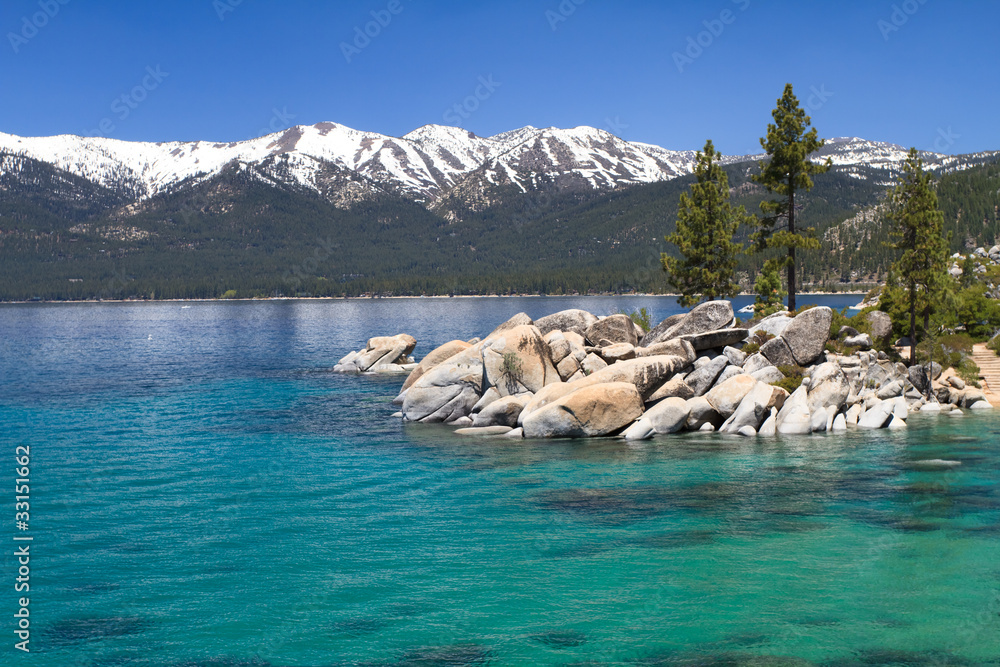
(423, 165)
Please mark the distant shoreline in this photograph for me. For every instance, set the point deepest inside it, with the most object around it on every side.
(376, 298)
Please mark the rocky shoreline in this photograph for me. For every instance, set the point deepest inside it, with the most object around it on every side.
(572, 374)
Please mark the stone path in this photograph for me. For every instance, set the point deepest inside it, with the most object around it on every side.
(989, 371)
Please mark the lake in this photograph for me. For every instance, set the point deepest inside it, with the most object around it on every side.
(205, 492)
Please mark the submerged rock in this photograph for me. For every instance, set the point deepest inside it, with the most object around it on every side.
(484, 430)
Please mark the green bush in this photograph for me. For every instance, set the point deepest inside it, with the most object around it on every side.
(994, 344)
(511, 370)
(755, 341)
(968, 371)
(640, 317)
(792, 380)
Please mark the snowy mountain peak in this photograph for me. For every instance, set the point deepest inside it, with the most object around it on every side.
(424, 164)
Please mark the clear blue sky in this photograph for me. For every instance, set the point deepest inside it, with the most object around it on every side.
(227, 66)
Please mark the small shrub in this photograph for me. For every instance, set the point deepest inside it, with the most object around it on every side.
(640, 317)
(994, 344)
(792, 380)
(968, 371)
(755, 342)
(957, 342)
(511, 370)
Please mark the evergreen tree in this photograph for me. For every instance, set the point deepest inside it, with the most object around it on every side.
(788, 146)
(768, 290)
(917, 225)
(706, 222)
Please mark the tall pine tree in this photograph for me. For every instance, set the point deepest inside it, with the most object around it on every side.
(787, 170)
(706, 222)
(917, 226)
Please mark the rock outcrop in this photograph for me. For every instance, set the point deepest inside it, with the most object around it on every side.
(572, 374)
(575, 320)
(600, 409)
(615, 329)
(806, 336)
(390, 353)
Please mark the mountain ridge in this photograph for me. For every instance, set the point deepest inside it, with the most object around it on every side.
(424, 165)
(437, 211)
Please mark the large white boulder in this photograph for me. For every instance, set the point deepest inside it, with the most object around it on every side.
(708, 316)
(667, 416)
(726, 396)
(877, 416)
(755, 408)
(828, 387)
(614, 328)
(794, 418)
(448, 391)
(808, 333)
(517, 360)
(502, 412)
(575, 320)
(436, 356)
(596, 410)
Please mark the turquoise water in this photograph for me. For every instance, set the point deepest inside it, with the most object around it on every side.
(204, 492)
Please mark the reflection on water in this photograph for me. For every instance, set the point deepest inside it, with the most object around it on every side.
(212, 496)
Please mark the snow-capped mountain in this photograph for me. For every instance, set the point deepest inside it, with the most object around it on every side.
(424, 165)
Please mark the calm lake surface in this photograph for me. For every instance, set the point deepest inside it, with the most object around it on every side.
(205, 492)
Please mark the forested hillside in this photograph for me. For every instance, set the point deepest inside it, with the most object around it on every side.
(241, 234)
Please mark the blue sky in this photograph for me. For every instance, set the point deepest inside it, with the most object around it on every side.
(919, 73)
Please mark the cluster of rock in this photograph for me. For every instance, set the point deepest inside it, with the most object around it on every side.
(383, 354)
(572, 374)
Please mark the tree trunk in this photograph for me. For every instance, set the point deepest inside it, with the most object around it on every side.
(913, 324)
(791, 250)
